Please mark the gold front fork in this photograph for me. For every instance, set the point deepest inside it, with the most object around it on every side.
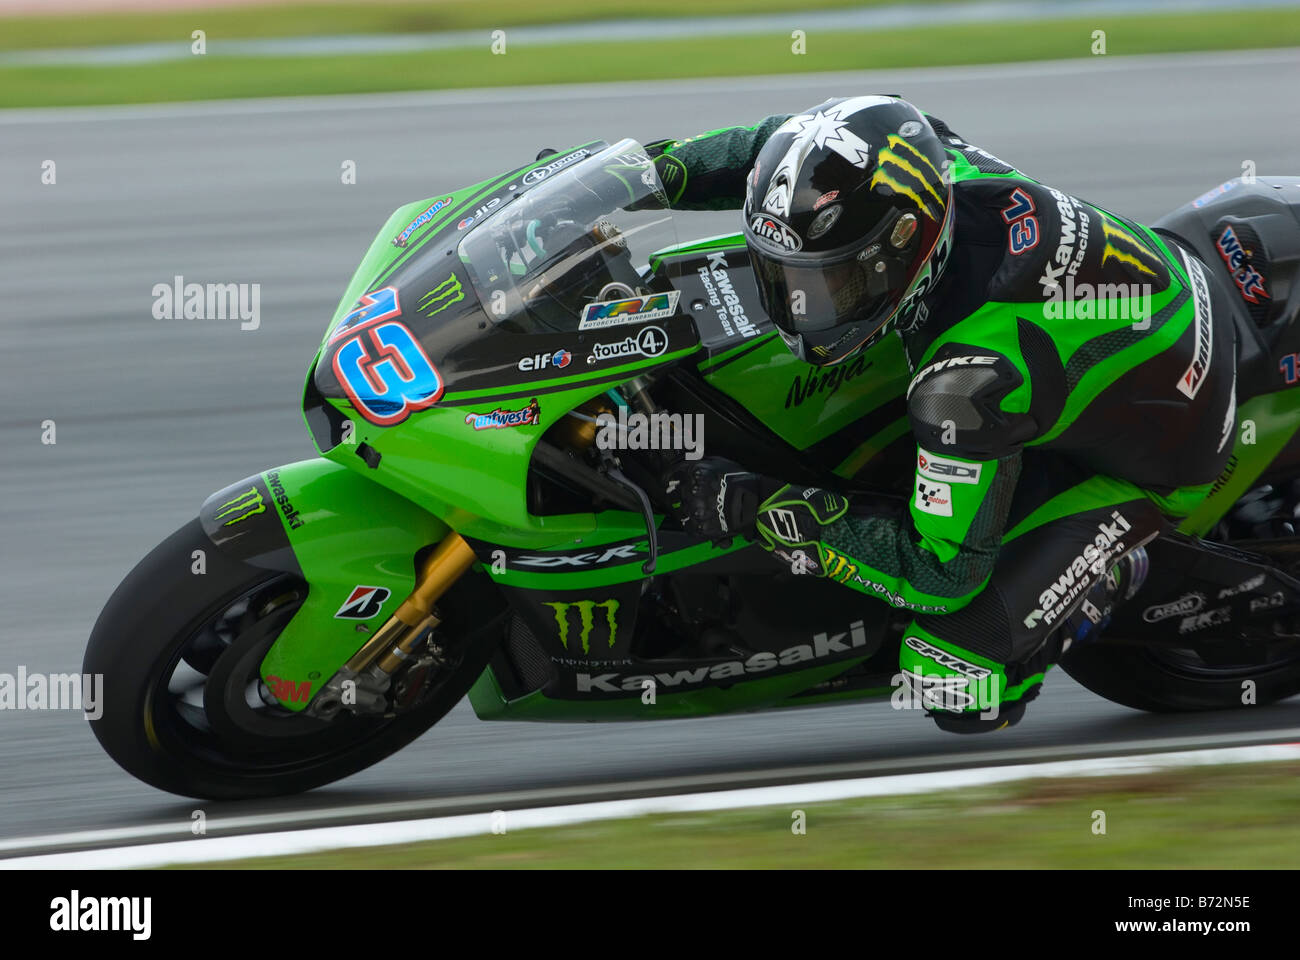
(393, 643)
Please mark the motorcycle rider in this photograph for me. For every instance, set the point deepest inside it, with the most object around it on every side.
(1073, 389)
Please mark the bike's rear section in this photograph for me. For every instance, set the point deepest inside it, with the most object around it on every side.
(1218, 622)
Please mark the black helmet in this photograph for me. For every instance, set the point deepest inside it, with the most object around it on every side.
(848, 217)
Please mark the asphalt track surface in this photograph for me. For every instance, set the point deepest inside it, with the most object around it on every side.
(152, 415)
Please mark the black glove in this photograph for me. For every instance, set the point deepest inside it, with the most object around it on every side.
(715, 498)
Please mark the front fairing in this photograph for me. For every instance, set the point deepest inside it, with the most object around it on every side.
(480, 319)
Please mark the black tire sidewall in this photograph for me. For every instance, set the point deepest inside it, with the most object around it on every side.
(159, 605)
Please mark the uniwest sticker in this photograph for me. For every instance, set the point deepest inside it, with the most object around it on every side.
(401, 239)
(612, 313)
(530, 415)
(1248, 280)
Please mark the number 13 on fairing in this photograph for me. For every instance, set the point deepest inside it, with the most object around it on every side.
(386, 373)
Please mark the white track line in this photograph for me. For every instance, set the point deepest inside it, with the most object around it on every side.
(207, 850)
(301, 817)
(825, 83)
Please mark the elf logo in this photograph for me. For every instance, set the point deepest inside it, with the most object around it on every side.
(363, 603)
(559, 360)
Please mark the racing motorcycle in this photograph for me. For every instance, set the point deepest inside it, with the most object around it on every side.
(471, 529)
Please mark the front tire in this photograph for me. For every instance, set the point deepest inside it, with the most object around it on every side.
(180, 654)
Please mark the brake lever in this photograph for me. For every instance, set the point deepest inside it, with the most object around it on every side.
(647, 512)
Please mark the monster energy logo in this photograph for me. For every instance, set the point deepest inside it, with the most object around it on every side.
(586, 619)
(899, 165)
(443, 295)
(838, 567)
(1116, 234)
(245, 505)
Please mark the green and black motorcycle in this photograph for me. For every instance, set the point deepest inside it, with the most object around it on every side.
(468, 530)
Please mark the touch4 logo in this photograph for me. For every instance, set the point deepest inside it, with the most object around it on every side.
(612, 313)
(586, 620)
(241, 507)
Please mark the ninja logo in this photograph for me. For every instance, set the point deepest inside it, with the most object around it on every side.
(586, 620)
(363, 603)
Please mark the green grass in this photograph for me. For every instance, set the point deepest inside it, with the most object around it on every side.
(1232, 816)
(321, 19)
(203, 78)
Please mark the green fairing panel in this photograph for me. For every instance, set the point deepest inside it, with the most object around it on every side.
(353, 533)
(804, 404)
(490, 703)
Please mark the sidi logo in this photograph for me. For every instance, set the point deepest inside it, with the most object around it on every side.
(75, 913)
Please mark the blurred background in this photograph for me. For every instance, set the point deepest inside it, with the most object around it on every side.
(140, 141)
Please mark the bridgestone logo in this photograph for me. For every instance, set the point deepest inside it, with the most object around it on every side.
(1191, 381)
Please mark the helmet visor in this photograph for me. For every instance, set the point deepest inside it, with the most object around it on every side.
(805, 299)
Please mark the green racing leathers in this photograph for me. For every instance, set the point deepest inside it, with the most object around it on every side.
(1073, 391)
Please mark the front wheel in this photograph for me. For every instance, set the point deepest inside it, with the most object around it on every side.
(185, 709)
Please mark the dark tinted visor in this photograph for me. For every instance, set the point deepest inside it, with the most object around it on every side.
(810, 299)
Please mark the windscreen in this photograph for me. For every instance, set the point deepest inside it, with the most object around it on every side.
(574, 247)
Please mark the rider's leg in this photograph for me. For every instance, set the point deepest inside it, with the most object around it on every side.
(1068, 551)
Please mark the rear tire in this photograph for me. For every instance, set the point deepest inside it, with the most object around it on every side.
(1164, 681)
(166, 632)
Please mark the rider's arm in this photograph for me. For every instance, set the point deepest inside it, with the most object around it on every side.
(969, 412)
(708, 172)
